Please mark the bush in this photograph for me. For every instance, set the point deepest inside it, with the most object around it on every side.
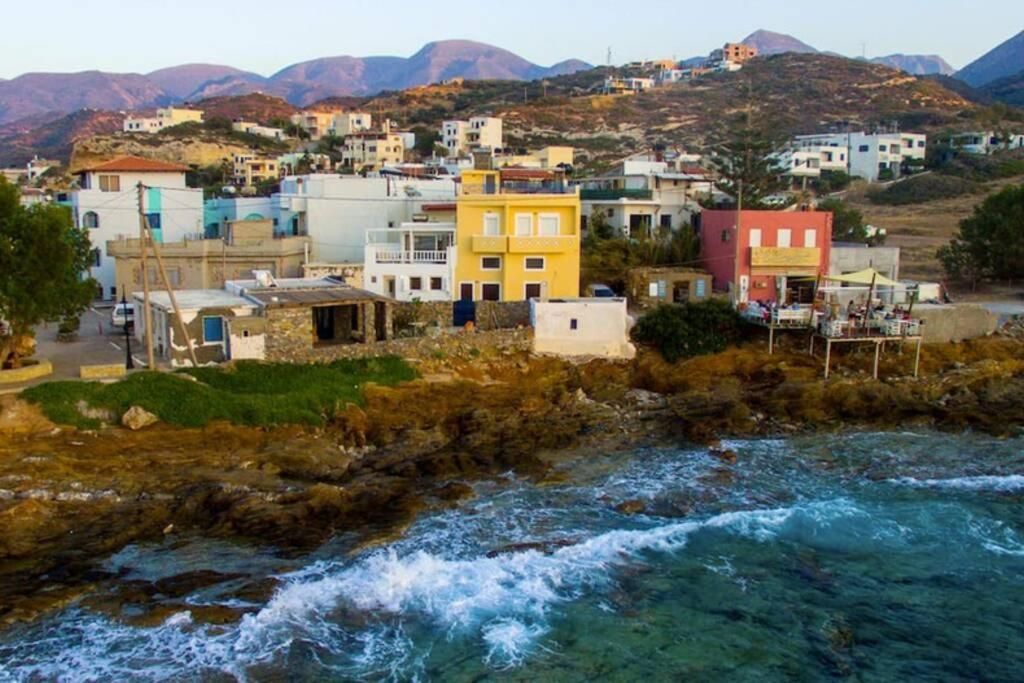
(923, 188)
(886, 175)
(690, 329)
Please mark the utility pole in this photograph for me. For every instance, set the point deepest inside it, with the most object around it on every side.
(174, 300)
(739, 225)
(147, 314)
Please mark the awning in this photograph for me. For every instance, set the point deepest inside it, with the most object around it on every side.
(864, 277)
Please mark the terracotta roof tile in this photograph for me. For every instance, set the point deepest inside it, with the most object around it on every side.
(138, 165)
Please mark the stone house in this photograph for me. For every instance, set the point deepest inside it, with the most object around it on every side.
(648, 287)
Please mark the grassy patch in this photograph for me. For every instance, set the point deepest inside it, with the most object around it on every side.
(923, 188)
(250, 393)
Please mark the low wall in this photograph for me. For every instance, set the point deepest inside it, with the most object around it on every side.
(26, 373)
(109, 371)
(954, 323)
(490, 315)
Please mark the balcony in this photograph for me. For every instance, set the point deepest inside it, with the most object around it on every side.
(507, 187)
(614, 194)
(540, 244)
(388, 255)
(781, 258)
(490, 244)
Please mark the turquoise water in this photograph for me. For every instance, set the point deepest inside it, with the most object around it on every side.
(871, 556)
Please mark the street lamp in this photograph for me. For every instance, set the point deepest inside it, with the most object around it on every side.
(129, 364)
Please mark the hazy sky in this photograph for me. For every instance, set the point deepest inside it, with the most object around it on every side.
(265, 35)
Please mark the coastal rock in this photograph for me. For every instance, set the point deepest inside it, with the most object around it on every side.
(631, 507)
(137, 418)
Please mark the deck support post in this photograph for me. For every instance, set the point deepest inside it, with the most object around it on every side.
(917, 357)
(828, 355)
(878, 350)
(771, 339)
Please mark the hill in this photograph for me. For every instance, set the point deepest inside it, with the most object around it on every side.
(770, 43)
(1009, 89)
(919, 65)
(1002, 61)
(300, 84)
(56, 138)
(252, 107)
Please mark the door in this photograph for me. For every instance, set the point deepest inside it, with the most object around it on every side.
(323, 320)
(490, 291)
(466, 291)
(463, 312)
(533, 290)
(389, 286)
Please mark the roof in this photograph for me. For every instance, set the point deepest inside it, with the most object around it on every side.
(136, 164)
(512, 173)
(196, 299)
(439, 206)
(317, 296)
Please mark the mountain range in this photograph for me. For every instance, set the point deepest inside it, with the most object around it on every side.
(35, 94)
(1003, 61)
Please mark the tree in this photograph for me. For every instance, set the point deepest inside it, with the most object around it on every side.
(598, 227)
(990, 242)
(847, 222)
(331, 145)
(42, 258)
(690, 329)
(425, 140)
(748, 161)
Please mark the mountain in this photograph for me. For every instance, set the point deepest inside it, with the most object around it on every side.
(300, 84)
(36, 93)
(918, 65)
(770, 43)
(181, 81)
(1009, 90)
(1004, 60)
(56, 138)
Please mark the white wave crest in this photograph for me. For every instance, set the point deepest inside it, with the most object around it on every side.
(1009, 482)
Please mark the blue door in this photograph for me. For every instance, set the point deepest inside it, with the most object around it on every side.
(463, 312)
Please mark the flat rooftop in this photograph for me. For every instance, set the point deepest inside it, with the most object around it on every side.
(194, 299)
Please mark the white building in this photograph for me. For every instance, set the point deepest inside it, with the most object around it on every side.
(337, 211)
(253, 128)
(462, 137)
(986, 142)
(808, 161)
(639, 195)
(165, 118)
(582, 327)
(871, 154)
(415, 261)
(106, 204)
(614, 85)
(349, 122)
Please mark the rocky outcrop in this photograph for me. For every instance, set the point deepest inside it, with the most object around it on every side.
(191, 151)
(136, 418)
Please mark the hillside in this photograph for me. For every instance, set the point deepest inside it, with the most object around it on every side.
(1009, 90)
(769, 43)
(300, 84)
(918, 65)
(55, 139)
(1004, 60)
(252, 107)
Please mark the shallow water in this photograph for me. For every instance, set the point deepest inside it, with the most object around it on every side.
(878, 556)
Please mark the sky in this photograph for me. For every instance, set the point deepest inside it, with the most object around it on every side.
(265, 36)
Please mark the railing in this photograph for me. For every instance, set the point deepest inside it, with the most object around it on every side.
(541, 244)
(598, 194)
(509, 187)
(395, 256)
(490, 244)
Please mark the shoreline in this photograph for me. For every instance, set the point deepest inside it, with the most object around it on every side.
(69, 498)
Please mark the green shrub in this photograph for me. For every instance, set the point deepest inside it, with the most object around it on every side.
(250, 393)
(690, 329)
(923, 188)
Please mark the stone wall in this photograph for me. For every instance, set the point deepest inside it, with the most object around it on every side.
(289, 333)
(490, 315)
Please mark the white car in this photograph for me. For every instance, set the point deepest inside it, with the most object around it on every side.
(123, 314)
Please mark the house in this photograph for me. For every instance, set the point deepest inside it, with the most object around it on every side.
(414, 261)
(219, 211)
(336, 211)
(480, 132)
(222, 326)
(547, 157)
(315, 123)
(766, 255)
(165, 118)
(986, 142)
(306, 317)
(349, 122)
(207, 263)
(371, 150)
(517, 236)
(803, 162)
(640, 194)
(582, 327)
(106, 204)
(872, 156)
(253, 128)
(647, 287)
(250, 169)
(616, 85)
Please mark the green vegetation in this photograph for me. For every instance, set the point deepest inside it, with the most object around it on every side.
(690, 329)
(250, 393)
(923, 188)
(990, 242)
(979, 167)
(217, 126)
(607, 259)
(42, 258)
(747, 165)
(847, 222)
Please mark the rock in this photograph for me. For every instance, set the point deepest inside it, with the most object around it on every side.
(631, 507)
(725, 454)
(137, 418)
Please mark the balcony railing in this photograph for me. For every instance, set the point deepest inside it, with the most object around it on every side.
(490, 244)
(398, 256)
(541, 244)
(518, 188)
(611, 194)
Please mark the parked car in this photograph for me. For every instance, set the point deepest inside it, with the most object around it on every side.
(600, 291)
(123, 314)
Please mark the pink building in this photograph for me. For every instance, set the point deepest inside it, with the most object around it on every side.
(761, 254)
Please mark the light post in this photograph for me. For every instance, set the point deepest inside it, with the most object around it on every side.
(129, 364)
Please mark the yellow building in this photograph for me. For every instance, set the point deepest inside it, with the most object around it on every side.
(517, 236)
(548, 157)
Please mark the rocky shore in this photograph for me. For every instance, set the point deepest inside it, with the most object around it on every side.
(70, 498)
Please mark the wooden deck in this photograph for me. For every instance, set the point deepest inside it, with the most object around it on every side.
(879, 340)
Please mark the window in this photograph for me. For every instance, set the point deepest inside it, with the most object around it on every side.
(534, 263)
(492, 226)
(153, 220)
(573, 324)
(110, 183)
(436, 284)
(90, 219)
(490, 263)
(94, 254)
(883, 148)
(785, 237)
(415, 283)
(113, 292)
(810, 238)
(524, 224)
(755, 237)
(213, 329)
(864, 148)
(666, 221)
(547, 225)
(920, 143)
(490, 291)
(532, 290)
(725, 235)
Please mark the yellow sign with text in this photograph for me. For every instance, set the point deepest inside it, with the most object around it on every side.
(785, 257)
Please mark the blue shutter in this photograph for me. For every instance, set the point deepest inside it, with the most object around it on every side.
(213, 329)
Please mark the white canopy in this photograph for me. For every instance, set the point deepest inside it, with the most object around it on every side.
(864, 277)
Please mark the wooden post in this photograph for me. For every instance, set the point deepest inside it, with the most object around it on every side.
(828, 355)
(771, 339)
(174, 301)
(878, 348)
(917, 357)
(811, 351)
(147, 314)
